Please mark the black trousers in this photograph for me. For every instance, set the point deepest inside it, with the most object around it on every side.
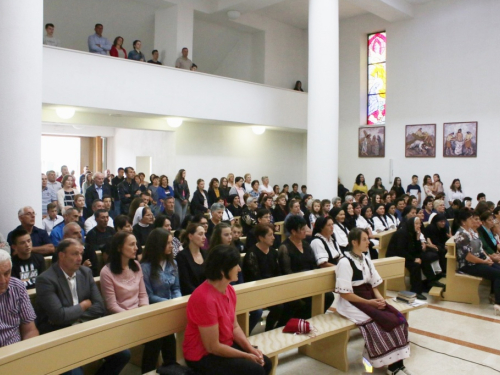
(152, 350)
(416, 269)
(491, 273)
(215, 365)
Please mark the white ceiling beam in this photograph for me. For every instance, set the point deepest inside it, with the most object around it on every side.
(245, 6)
(389, 10)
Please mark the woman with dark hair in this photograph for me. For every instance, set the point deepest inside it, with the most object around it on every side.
(254, 192)
(136, 53)
(455, 191)
(298, 86)
(235, 205)
(164, 189)
(122, 282)
(472, 259)
(191, 260)
(285, 190)
(324, 244)
(428, 207)
(134, 205)
(350, 220)
(428, 186)
(267, 203)
(412, 201)
(360, 184)
(396, 186)
(406, 243)
(390, 216)
(117, 49)
(384, 328)
(161, 279)
(223, 188)
(199, 202)
(214, 343)
(315, 212)
(280, 211)
(145, 219)
(296, 255)
(221, 235)
(261, 262)
(376, 199)
(379, 218)
(364, 221)
(276, 191)
(438, 184)
(163, 222)
(437, 235)
(367, 213)
(339, 229)
(238, 188)
(377, 188)
(363, 200)
(181, 194)
(213, 191)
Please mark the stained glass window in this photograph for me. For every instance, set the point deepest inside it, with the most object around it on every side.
(377, 44)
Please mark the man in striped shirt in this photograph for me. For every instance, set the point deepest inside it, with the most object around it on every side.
(20, 325)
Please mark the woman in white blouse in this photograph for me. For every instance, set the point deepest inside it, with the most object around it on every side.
(66, 195)
(324, 244)
(428, 186)
(339, 229)
(384, 328)
(455, 191)
(379, 219)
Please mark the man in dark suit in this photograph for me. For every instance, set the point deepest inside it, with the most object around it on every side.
(98, 190)
(67, 295)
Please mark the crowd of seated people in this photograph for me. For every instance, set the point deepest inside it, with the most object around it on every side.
(160, 241)
(99, 44)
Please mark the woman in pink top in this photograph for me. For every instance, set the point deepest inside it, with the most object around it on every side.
(214, 343)
(122, 283)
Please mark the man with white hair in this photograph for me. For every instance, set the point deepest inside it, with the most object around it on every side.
(249, 215)
(40, 240)
(17, 317)
(70, 216)
(96, 191)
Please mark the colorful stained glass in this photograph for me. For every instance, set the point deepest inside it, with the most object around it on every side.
(377, 79)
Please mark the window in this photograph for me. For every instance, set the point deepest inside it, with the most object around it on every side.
(376, 78)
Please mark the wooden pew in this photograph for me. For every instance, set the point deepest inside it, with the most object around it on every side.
(459, 287)
(88, 342)
(384, 239)
(280, 230)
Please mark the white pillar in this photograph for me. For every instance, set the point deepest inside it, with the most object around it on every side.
(323, 102)
(173, 31)
(20, 109)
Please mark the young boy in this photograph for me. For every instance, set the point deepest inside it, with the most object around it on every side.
(414, 189)
(236, 231)
(26, 266)
(52, 218)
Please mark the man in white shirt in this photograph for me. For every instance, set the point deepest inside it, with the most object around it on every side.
(52, 218)
(98, 43)
(52, 183)
(183, 62)
(49, 39)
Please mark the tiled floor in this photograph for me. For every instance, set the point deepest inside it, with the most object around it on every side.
(446, 339)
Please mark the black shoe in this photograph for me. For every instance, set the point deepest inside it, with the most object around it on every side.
(437, 283)
(442, 276)
(421, 297)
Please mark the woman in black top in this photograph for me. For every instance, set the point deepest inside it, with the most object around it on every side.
(437, 236)
(281, 209)
(349, 221)
(199, 202)
(261, 262)
(191, 260)
(181, 194)
(406, 243)
(142, 229)
(397, 187)
(223, 188)
(213, 191)
(234, 205)
(377, 188)
(296, 255)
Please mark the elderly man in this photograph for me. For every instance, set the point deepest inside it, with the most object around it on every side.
(17, 317)
(48, 195)
(39, 238)
(98, 190)
(70, 216)
(26, 265)
(67, 295)
(91, 221)
(168, 210)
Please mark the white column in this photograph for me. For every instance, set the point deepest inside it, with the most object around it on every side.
(323, 101)
(20, 109)
(173, 31)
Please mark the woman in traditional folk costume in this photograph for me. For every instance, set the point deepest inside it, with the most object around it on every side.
(384, 328)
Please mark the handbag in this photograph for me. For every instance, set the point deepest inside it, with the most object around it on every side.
(299, 327)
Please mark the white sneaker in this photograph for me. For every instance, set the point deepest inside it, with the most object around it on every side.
(404, 370)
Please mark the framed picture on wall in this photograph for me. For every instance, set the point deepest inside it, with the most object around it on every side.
(420, 141)
(371, 142)
(460, 139)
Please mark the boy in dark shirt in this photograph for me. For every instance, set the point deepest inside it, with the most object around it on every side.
(236, 231)
(414, 189)
(26, 266)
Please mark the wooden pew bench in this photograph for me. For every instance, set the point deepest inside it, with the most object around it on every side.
(328, 346)
(384, 238)
(459, 287)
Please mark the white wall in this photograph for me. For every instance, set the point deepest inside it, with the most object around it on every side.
(207, 151)
(74, 21)
(227, 52)
(442, 67)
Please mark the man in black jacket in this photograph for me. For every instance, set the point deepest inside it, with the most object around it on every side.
(128, 190)
(96, 191)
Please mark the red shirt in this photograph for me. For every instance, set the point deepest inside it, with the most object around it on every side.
(207, 307)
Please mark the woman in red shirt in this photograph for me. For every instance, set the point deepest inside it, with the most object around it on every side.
(214, 343)
(117, 49)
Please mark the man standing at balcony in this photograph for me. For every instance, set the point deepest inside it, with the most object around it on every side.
(98, 43)
(183, 62)
(49, 39)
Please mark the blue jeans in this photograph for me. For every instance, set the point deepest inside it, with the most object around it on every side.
(180, 209)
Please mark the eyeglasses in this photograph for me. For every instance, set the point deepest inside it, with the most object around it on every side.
(29, 214)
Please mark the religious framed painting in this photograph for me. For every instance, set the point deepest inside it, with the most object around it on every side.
(371, 142)
(420, 141)
(460, 139)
